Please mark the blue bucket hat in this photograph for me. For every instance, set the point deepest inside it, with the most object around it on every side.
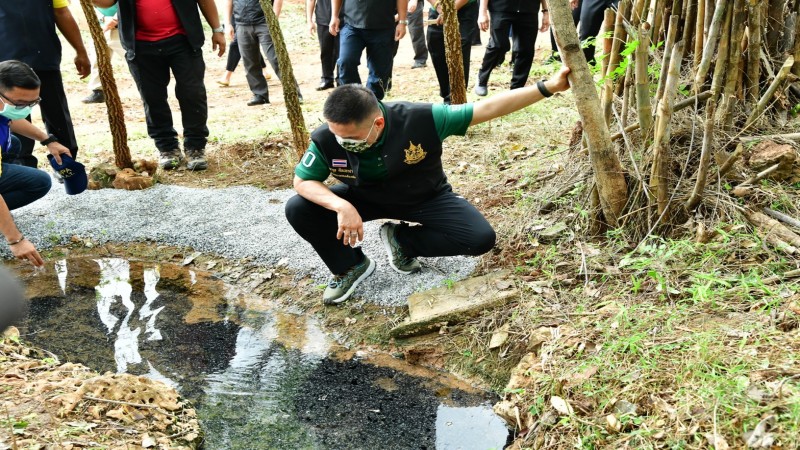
(73, 173)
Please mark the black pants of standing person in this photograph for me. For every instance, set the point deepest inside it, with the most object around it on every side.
(416, 30)
(526, 28)
(328, 52)
(450, 226)
(592, 14)
(55, 114)
(468, 27)
(576, 17)
(150, 70)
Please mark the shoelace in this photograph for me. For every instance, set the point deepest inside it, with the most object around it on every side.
(338, 280)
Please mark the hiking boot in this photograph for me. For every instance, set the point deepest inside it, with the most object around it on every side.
(96, 96)
(397, 259)
(196, 159)
(169, 160)
(342, 286)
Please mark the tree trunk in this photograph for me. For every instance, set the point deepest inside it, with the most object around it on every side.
(775, 14)
(659, 179)
(644, 108)
(452, 51)
(608, 172)
(752, 80)
(290, 94)
(116, 115)
(738, 21)
(709, 52)
(705, 158)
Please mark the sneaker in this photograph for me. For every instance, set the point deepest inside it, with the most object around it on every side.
(96, 96)
(170, 160)
(481, 90)
(196, 159)
(342, 286)
(399, 261)
(419, 65)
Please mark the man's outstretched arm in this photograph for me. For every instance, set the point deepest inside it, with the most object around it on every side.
(510, 101)
(20, 247)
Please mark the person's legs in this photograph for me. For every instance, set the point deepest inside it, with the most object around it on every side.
(21, 185)
(268, 47)
(379, 61)
(591, 18)
(251, 52)
(497, 48)
(351, 45)
(449, 226)
(328, 53)
(150, 71)
(438, 58)
(55, 114)
(318, 225)
(188, 69)
(417, 31)
(526, 28)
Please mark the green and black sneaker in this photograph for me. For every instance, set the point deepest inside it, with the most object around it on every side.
(397, 259)
(342, 286)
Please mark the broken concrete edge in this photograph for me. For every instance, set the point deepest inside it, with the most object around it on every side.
(434, 323)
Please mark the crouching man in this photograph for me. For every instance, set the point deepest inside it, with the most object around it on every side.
(21, 185)
(388, 157)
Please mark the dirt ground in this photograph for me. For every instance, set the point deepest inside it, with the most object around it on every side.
(247, 145)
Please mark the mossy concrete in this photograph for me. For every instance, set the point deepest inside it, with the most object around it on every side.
(430, 310)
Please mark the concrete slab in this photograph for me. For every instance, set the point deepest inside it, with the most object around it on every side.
(429, 310)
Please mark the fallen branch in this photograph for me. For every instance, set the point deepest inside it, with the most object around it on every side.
(726, 167)
(773, 231)
(788, 136)
(777, 215)
(761, 175)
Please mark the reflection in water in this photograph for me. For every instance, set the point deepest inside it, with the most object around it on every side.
(260, 378)
(466, 428)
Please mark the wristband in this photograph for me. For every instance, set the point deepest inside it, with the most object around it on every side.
(50, 139)
(219, 29)
(545, 10)
(402, 22)
(17, 241)
(543, 89)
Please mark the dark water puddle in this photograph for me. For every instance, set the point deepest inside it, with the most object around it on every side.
(260, 377)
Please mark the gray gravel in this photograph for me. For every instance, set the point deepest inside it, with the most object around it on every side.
(234, 222)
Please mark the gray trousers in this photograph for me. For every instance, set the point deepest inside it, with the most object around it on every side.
(252, 40)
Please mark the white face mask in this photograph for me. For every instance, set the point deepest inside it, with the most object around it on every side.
(356, 145)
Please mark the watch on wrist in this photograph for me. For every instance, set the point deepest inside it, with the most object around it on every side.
(50, 139)
(402, 22)
(219, 29)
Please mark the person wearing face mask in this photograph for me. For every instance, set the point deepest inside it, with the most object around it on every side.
(21, 185)
(388, 158)
(28, 34)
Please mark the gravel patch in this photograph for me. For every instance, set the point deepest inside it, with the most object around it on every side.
(235, 222)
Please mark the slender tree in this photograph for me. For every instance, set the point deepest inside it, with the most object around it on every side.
(116, 115)
(290, 94)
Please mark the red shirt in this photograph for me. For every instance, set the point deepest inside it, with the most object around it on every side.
(156, 20)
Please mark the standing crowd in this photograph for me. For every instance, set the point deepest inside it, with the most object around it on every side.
(387, 156)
